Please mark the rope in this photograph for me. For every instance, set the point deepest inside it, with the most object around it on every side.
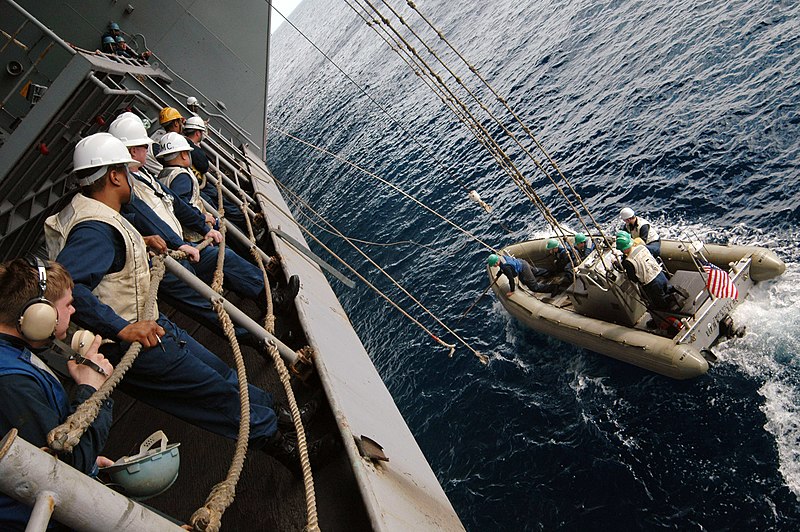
(269, 318)
(447, 169)
(387, 183)
(302, 446)
(483, 358)
(208, 518)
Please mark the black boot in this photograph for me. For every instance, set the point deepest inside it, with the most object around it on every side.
(283, 448)
(284, 414)
(282, 298)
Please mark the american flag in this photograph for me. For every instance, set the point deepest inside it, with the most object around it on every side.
(719, 283)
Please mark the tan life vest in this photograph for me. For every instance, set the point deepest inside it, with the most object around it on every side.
(152, 164)
(124, 291)
(652, 236)
(160, 203)
(166, 177)
(644, 264)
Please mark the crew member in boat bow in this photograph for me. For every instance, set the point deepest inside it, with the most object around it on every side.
(583, 246)
(641, 267)
(638, 227)
(512, 268)
(37, 306)
(107, 258)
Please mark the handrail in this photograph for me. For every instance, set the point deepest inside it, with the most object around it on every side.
(121, 92)
(50, 33)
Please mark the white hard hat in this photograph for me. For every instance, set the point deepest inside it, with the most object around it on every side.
(99, 151)
(194, 123)
(191, 100)
(130, 130)
(626, 213)
(173, 142)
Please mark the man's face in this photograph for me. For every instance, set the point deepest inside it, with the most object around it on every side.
(65, 311)
(630, 220)
(138, 154)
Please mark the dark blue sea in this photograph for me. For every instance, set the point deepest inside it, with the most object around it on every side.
(686, 112)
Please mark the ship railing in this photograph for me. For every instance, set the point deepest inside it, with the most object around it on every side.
(78, 501)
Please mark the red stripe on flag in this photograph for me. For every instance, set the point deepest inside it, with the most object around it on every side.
(719, 283)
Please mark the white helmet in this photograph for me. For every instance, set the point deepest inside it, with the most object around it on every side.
(194, 123)
(191, 100)
(99, 151)
(626, 213)
(173, 142)
(130, 130)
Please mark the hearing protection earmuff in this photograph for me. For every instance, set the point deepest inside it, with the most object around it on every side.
(39, 317)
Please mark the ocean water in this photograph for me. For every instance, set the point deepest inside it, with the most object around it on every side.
(687, 112)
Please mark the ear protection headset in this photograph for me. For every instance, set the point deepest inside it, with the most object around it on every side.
(39, 317)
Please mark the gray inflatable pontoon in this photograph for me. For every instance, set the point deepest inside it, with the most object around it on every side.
(605, 312)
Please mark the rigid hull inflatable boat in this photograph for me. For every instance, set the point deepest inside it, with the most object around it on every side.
(605, 312)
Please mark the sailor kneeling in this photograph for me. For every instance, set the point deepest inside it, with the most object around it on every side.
(511, 268)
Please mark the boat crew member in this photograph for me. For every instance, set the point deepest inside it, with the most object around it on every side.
(512, 268)
(109, 45)
(113, 32)
(583, 246)
(561, 260)
(641, 267)
(107, 259)
(37, 306)
(171, 121)
(124, 50)
(194, 130)
(157, 210)
(638, 227)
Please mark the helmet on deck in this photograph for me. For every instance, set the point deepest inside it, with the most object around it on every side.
(624, 240)
(626, 213)
(552, 243)
(580, 238)
(150, 472)
(493, 260)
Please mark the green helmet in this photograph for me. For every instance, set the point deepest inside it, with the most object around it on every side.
(552, 243)
(580, 238)
(624, 240)
(493, 260)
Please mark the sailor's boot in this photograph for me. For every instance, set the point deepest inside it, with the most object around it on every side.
(283, 297)
(283, 448)
(307, 411)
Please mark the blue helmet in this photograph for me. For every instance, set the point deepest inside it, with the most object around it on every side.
(108, 39)
(114, 26)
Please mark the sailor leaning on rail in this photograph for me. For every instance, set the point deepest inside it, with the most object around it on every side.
(194, 130)
(157, 210)
(512, 267)
(108, 261)
(638, 227)
(37, 306)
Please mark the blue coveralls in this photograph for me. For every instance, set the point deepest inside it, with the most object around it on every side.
(34, 402)
(512, 267)
(232, 211)
(184, 378)
(182, 186)
(241, 276)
